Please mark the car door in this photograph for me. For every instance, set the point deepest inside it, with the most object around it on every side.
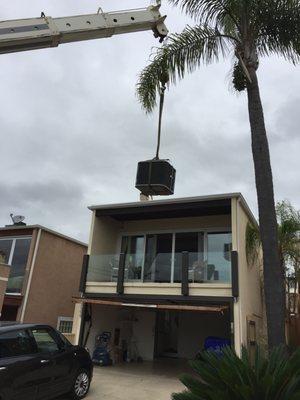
(18, 366)
(55, 363)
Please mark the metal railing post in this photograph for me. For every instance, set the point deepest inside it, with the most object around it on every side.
(234, 274)
(185, 274)
(121, 274)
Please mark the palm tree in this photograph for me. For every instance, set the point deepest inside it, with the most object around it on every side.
(248, 30)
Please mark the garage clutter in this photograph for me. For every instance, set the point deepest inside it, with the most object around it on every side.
(118, 346)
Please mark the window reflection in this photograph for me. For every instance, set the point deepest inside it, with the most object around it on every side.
(158, 260)
(133, 247)
(219, 256)
(15, 252)
(5, 249)
(152, 258)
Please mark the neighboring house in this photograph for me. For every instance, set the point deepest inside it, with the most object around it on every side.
(4, 274)
(161, 276)
(45, 269)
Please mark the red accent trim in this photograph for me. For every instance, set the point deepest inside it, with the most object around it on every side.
(12, 300)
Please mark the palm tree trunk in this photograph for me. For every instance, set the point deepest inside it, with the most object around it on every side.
(273, 272)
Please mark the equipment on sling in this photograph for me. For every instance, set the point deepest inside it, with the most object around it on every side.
(156, 177)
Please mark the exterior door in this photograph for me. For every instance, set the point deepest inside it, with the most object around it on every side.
(18, 366)
(167, 334)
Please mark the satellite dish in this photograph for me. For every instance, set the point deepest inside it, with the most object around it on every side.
(17, 219)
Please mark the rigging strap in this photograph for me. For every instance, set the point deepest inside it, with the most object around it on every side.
(161, 106)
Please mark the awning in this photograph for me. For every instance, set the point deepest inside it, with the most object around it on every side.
(175, 307)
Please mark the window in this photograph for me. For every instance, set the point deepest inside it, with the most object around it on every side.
(15, 343)
(158, 257)
(15, 253)
(44, 341)
(5, 248)
(219, 256)
(133, 247)
(65, 324)
(158, 260)
(193, 243)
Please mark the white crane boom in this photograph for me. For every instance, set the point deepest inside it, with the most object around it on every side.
(44, 32)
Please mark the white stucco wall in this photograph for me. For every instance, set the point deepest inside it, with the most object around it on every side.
(141, 323)
(250, 302)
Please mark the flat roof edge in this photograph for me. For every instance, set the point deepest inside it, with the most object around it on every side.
(23, 227)
(167, 201)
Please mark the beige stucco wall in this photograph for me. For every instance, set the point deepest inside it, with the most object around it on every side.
(250, 302)
(170, 289)
(103, 235)
(4, 274)
(55, 279)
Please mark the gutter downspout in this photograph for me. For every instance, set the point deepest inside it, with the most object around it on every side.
(30, 275)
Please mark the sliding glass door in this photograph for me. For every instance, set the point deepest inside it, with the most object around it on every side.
(219, 256)
(133, 248)
(191, 242)
(158, 259)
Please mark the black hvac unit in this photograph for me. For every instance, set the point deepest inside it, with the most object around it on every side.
(155, 178)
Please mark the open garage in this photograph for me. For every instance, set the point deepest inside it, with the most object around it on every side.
(152, 332)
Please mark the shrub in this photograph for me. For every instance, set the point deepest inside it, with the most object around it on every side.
(229, 377)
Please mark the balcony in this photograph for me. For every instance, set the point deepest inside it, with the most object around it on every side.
(168, 273)
(169, 263)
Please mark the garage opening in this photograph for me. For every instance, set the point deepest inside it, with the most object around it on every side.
(146, 333)
(182, 334)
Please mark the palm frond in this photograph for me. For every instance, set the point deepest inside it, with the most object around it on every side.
(183, 53)
(277, 24)
(288, 227)
(218, 13)
(253, 243)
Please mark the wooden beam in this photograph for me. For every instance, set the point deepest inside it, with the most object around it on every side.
(175, 307)
(192, 308)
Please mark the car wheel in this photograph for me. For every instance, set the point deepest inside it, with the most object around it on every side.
(81, 385)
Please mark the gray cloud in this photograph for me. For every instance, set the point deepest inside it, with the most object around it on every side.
(72, 130)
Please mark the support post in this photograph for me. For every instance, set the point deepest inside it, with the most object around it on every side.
(121, 273)
(84, 271)
(82, 324)
(235, 274)
(185, 274)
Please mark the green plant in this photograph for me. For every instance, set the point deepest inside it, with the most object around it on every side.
(288, 225)
(246, 30)
(232, 378)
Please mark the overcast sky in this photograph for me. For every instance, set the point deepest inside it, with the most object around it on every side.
(72, 130)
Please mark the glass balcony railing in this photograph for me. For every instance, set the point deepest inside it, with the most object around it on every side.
(161, 268)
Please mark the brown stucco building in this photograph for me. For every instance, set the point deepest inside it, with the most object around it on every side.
(45, 268)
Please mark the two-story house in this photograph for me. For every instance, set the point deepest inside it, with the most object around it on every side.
(161, 276)
(44, 273)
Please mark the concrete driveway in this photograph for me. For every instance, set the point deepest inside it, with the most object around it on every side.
(137, 381)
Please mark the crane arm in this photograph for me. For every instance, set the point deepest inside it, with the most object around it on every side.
(44, 32)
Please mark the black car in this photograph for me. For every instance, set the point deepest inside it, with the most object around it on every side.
(38, 363)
